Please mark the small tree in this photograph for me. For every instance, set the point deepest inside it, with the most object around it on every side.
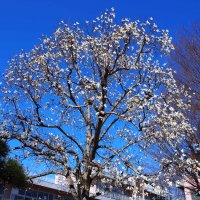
(3, 149)
(182, 162)
(186, 59)
(85, 99)
(10, 170)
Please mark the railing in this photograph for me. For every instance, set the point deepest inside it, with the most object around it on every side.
(116, 196)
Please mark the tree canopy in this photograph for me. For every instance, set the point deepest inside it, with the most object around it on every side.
(186, 60)
(10, 170)
(87, 99)
(181, 163)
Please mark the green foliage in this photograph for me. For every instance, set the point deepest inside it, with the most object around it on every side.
(10, 170)
(14, 173)
(3, 149)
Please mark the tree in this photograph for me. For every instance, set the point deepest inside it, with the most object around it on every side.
(84, 100)
(10, 170)
(3, 149)
(183, 161)
(186, 59)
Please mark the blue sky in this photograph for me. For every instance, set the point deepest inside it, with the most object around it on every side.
(22, 22)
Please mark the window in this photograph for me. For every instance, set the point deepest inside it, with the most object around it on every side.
(50, 196)
(21, 192)
(19, 197)
(40, 195)
(57, 197)
(29, 193)
(45, 196)
(1, 189)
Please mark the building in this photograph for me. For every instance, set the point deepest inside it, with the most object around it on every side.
(39, 189)
(108, 190)
(44, 190)
(189, 194)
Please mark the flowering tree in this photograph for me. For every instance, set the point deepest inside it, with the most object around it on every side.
(184, 159)
(86, 99)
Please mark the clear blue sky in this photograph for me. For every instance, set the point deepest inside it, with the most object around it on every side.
(22, 22)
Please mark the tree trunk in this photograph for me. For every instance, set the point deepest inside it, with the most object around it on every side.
(82, 191)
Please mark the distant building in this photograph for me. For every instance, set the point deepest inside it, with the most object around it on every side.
(189, 194)
(38, 190)
(44, 190)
